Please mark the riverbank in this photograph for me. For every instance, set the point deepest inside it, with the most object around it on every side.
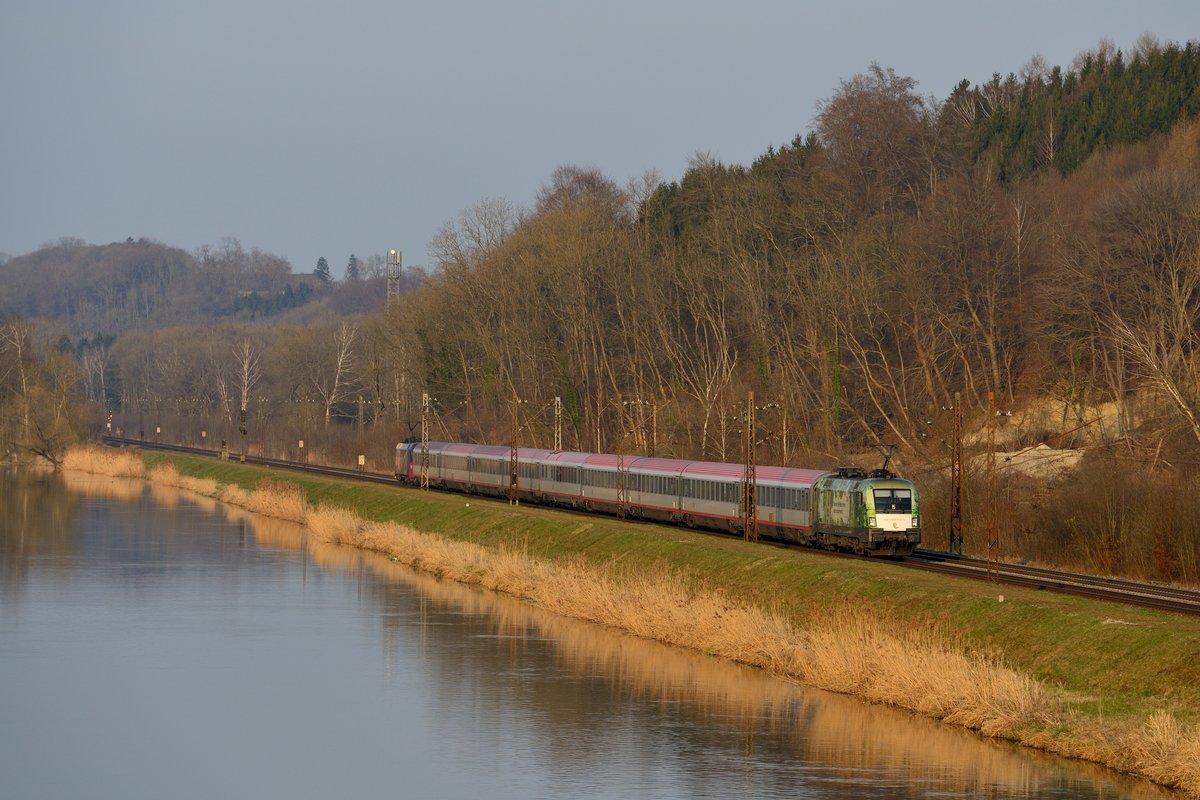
(1089, 680)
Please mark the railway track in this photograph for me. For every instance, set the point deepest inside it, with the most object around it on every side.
(319, 469)
(1119, 590)
(1146, 595)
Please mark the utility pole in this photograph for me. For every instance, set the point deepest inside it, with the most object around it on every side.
(242, 430)
(956, 479)
(783, 417)
(514, 466)
(653, 429)
(599, 414)
(557, 424)
(749, 477)
(993, 546)
(425, 440)
(622, 495)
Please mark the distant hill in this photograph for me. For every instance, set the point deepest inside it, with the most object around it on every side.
(144, 284)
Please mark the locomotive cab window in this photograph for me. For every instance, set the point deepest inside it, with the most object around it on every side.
(898, 501)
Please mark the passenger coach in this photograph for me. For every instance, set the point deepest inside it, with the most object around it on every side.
(850, 509)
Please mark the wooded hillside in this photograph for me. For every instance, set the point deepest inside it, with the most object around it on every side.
(1027, 236)
(1031, 238)
(110, 289)
(858, 278)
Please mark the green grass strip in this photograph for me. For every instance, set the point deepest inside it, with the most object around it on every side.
(1106, 661)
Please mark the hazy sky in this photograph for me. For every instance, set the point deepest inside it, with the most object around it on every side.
(309, 129)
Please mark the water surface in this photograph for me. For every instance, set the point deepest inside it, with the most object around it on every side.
(155, 645)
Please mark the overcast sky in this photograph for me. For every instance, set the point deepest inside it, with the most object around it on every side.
(321, 129)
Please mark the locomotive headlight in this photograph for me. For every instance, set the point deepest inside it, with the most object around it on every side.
(870, 522)
(916, 522)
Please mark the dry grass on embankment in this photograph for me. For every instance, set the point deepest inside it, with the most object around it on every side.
(105, 461)
(850, 650)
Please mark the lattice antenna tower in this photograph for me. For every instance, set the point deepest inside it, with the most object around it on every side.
(393, 275)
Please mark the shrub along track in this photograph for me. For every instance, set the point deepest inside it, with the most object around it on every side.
(1123, 683)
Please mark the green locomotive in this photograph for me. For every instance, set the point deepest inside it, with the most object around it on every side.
(867, 512)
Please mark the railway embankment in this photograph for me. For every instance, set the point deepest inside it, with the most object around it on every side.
(1112, 684)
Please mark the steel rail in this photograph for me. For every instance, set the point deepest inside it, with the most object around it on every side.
(1118, 590)
(1121, 590)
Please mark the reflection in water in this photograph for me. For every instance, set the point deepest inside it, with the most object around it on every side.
(776, 720)
(35, 523)
(512, 691)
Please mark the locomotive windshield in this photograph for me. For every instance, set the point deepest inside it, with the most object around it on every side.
(897, 501)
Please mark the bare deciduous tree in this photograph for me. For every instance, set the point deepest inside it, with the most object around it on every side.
(1147, 282)
(15, 347)
(330, 371)
(872, 130)
(247, 360)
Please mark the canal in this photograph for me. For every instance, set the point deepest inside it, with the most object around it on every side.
(154, 644)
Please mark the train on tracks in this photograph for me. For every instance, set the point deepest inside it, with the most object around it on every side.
(850, 509)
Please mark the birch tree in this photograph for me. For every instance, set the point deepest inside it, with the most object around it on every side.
(330, 370)
(247, 360)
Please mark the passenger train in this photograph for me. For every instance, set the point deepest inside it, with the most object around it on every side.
(847, 509)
